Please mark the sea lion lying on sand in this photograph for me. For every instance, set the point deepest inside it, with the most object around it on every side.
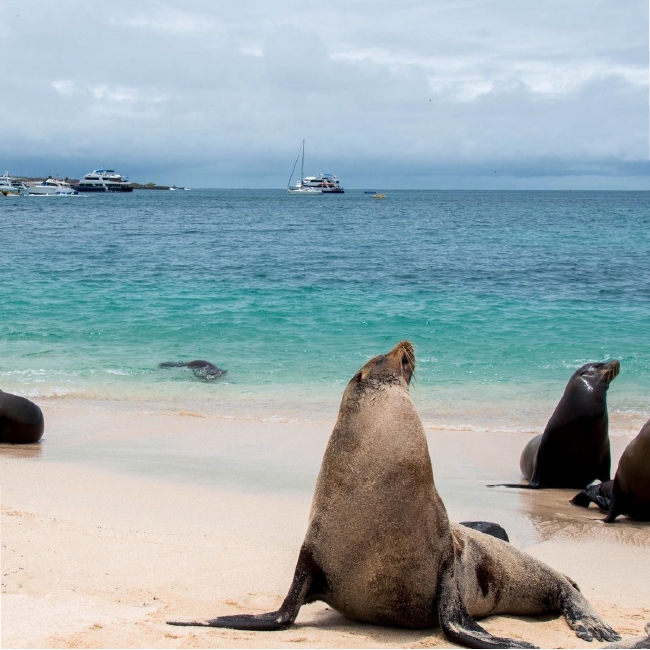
(574, 449)
(21, 421)
(629, 492)
(379, 547)
(202, 369)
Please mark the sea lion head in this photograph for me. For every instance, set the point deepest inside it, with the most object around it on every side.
(395, 367)
(597, 375)
(586, 392)
(392, 370)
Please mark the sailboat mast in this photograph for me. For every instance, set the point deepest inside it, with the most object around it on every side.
(302, 163)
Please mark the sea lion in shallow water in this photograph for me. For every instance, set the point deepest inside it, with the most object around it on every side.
(629, 492)
(202, 369)
(379, 547)
(574, 449)
(21, 421)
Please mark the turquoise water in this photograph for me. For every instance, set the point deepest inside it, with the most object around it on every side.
(503, 293)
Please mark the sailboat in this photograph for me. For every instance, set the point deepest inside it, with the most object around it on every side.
(299, 189)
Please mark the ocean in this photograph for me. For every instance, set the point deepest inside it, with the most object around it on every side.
(504, 295)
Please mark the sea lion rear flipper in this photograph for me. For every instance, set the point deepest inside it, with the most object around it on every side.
(581, 499)
(582, 618)
(600, 494)
(456, 621)
(634, 642)
(271, 621)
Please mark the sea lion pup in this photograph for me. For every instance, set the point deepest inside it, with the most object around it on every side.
(574, 449)
(629, 492)
(379, 547)
(201, 369)
(21, 421)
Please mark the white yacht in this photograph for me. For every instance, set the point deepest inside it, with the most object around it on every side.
(103, 180)
(52, 187)
(300, 189)
(326, 182)
(10, 186)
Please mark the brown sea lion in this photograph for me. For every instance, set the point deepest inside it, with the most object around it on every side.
(202, 369)
(21, 421)
(629, 492)
(380, 548)
(574, 449)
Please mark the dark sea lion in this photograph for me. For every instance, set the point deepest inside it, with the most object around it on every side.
(487, 527)
(201, 369)
(21, 421)
(629, 492)
(598, 493)
(379, 547)
(574, 449)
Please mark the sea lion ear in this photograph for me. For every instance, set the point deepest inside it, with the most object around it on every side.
(358, 377)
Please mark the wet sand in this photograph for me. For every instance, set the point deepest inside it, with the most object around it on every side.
(121, 520)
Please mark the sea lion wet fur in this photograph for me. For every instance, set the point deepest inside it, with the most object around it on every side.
(574, 449)
(380, 548)
(21, 421)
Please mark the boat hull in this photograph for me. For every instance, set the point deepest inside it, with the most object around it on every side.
(50, 191)
(105, 188)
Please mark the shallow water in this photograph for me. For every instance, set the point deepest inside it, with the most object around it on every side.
(504, 294)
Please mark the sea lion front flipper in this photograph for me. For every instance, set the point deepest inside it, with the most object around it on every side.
(281, 619)
(523, 486)
(456, 621)
(616, 507)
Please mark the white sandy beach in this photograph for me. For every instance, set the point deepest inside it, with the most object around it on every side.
(99, 549)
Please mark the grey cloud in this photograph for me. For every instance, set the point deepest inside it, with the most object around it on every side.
(428, 93)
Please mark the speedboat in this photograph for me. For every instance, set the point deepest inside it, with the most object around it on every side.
(11, 186)
(103, 180)
(327, 182)
(52, 187)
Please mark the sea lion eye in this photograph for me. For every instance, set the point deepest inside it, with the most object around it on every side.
(358, 376)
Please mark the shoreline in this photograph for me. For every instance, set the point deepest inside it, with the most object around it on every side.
(454, 408)
(124, 520)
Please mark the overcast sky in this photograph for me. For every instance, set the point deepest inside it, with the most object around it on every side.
(409, 94)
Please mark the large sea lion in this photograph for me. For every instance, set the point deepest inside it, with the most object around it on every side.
(574, 449)
(202, 369)
(21, 421)
(629, 492)
(380, 548)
